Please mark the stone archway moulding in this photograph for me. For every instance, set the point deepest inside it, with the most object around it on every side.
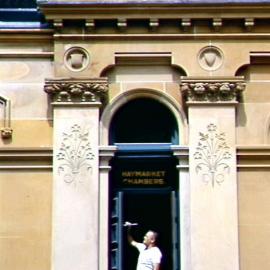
(120, 100)
(107, 152)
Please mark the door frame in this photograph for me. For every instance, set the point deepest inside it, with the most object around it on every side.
(154, 153)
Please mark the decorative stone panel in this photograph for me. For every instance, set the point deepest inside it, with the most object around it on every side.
(213, 178)
(77, 90)
(212, 90)
(211, 58)
(76, 59)
(5, 129)
(212, 156)
(75, 186)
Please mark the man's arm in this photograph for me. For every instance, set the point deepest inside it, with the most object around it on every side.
(129, 237)
(156, 266)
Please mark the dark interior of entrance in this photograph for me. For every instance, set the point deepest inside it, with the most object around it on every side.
(152, 211)
(143, 182)
(144, 190)
(143, 120)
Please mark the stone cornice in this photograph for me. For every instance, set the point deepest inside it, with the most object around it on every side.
(77, 90)
(66, 10)
(211, 90)
(157, 36)
(186, 16)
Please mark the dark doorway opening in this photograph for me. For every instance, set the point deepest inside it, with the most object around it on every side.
(143, 120)
(144, 182)
(152, 211)
(144, 190)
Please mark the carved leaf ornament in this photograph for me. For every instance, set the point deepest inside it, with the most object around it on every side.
(212, 154)
(212, 91)
(76, 91)
(74, 154)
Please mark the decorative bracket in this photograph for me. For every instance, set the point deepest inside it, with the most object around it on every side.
(212, 90)
(217, 23)
(122, 24)
(6, 130)
(58, 23)
(77, 90)
(249, 23)
(153, 24)
(90, 24)
(186, 23)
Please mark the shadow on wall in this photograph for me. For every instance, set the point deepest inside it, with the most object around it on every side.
(241, 117)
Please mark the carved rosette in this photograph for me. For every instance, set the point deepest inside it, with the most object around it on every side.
(212, 90)
(76, 90)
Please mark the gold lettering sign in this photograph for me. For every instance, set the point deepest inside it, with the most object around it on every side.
(143, 177)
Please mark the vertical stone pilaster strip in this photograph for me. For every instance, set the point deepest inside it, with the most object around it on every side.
(106, 153)
(181, 153)
(75, 228)
(212, 169)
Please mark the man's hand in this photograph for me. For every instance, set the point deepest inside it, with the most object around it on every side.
(129, 224)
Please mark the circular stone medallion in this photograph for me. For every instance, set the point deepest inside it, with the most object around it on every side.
(210, 58)
(76, 59)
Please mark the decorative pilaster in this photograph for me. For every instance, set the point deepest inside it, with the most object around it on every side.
(182, 154)
(212, 169)
(76, 105)
(106, 153)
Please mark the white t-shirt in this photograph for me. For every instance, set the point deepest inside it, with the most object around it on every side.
(148, 256)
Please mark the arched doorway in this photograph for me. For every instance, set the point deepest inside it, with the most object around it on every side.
(143, 181)
(143, 120)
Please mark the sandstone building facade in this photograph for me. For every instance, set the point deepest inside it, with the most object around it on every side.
(154, 112)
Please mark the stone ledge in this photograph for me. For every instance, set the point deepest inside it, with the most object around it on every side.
(26, 158)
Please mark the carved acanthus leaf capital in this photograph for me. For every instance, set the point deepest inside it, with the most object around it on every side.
(212, 90)
(76, 90)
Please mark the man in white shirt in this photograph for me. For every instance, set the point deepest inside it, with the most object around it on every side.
(150, 255)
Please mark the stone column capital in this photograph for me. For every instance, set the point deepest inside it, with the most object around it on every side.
(212, 90)
(77, 90)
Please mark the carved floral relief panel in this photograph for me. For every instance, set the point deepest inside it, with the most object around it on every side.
(75, 154)
(212, 156)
